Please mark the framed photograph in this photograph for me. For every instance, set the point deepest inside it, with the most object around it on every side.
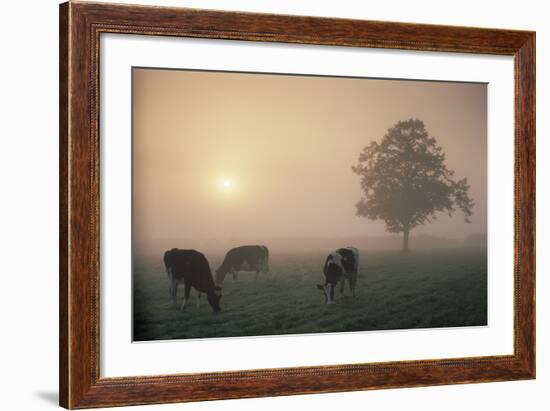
(258, 205)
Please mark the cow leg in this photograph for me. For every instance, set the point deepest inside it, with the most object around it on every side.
(235, 275)
(198, 299)
(342, 285)
(168, 271)
(186, 295)
(331, 295)
(174, 292)
(352, 281)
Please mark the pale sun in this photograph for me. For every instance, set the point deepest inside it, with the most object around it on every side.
(226, 184)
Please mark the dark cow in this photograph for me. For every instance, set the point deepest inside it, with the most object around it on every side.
(244, 258)
(340, 265)
(191, 268)
(175, 281)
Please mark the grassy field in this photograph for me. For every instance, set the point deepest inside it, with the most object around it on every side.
(421, 289)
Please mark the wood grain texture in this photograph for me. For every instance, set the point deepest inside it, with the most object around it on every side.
(525, 203)
(80, 27)
(63, 204)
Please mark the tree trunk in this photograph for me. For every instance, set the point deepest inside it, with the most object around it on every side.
(406, 240)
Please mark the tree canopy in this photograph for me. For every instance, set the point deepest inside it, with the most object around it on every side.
(405, 180)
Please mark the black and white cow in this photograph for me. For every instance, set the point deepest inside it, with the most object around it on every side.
(244, 258)
(340, 265)
(191, 268)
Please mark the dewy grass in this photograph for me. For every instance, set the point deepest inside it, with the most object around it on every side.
(420, 289)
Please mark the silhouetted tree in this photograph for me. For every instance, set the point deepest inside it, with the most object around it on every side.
(406, 182)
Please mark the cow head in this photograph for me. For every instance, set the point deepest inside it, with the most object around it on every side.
(322, 288)
(214, 298)
(328, 292)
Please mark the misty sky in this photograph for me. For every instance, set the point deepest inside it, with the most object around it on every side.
(284, 146)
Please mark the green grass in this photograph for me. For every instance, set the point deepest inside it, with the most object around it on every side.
(421, 289)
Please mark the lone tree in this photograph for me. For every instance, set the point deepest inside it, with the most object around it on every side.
(406, 182)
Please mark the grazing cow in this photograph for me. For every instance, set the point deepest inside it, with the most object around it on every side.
(191, 268)
(340, 265)
(244, 258)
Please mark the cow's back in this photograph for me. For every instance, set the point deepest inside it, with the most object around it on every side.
(249, 253)
(246, 250)
(189, 262)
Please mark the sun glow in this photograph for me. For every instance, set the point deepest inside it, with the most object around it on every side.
(226, 184)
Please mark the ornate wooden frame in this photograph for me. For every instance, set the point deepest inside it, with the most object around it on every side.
(81, 24)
